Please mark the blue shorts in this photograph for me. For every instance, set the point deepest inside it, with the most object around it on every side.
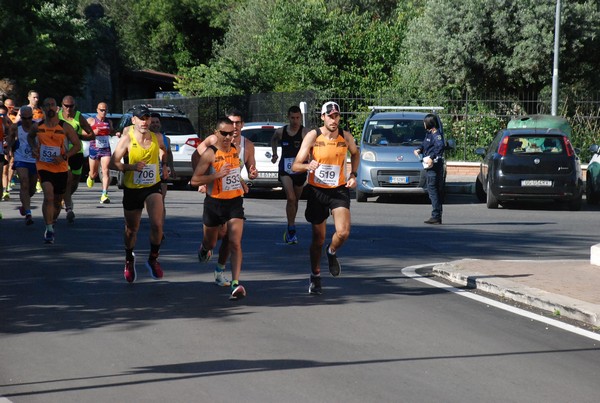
(29, 165)
(98, 153)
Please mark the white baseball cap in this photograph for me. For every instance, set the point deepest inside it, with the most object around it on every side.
(330, 107)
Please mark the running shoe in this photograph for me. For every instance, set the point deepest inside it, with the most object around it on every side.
(28, 219)
(129, 272)
(70, 216)
(89, 182)
(48, 237)
(221, 280)
(314, 287)
(154, 267)
(38, 187)
(237, 292)
(290, 239)
(104, 199)
(334, 266)
(5, 196)
(204, 255)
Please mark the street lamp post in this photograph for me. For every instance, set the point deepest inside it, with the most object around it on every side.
(555, 68)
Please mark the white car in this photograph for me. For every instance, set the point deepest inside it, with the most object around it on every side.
(260, 133)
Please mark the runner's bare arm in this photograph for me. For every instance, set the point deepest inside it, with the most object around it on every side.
(307, 143)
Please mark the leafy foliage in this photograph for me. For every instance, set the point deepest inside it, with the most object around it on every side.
(48, 45)
(286, 46)
(500, 45)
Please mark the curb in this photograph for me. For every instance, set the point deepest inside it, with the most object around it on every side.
(460, 188)
(566, 306)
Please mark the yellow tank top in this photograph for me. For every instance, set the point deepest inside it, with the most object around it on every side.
(331, 155)
(149, 176)
(52, 142)
(229, 186)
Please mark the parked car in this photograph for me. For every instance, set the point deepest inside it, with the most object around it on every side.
(592, 177)
(529, 164)
(181, 133)
(388, 164)
(260, 133)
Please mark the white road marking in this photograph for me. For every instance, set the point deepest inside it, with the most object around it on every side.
(411, 271)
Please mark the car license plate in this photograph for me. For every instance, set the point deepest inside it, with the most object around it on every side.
(174, 147)
(268, 175)
(398, 180)
(538, 183)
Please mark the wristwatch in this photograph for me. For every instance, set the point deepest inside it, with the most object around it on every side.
(354, 173)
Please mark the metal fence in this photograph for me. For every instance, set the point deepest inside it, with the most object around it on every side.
(468, 118)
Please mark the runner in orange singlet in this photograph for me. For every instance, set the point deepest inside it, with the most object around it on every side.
(328, 187)
(219, 168)
(48, 142)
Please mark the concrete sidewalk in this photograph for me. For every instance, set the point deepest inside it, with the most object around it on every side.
(567, 288)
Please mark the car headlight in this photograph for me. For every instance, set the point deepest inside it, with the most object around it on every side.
(368, 156)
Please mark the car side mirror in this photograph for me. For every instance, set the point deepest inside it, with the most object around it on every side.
(594, 148)
(480, 151)
(450, 144)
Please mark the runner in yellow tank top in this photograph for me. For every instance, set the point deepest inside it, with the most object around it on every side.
(149, 174)
(219, 168)
(48, 142)
(142, 188)
(328, 188)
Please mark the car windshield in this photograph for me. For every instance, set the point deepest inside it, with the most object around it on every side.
(260, 136)
(176, 125)
(395, 132)
(535, 144)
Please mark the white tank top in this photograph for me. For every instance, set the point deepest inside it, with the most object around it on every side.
(23, 152)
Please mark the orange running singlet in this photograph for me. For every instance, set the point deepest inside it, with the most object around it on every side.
(331, 155)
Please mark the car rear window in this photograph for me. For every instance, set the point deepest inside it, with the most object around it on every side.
(176, 126)
(535, 144)
(395, 132)
(260, 136)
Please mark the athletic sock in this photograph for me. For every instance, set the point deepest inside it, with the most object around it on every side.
(154, 251)
(220, 267)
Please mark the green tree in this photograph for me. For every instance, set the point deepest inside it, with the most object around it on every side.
(167, 35)
(500, 45)
(276, 45)
(46, 46)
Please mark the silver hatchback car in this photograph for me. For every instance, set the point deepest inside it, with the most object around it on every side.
(388, 164)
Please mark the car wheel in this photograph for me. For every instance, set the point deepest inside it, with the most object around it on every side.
(361, 197)
(575, 204)
(479, 192)
(591, 196)
(491, 200)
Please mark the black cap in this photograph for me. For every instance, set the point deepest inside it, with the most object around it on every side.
(139, 111)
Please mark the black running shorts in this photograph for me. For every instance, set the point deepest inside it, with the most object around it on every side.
(219, 211)
(134, 199)
(321, 201)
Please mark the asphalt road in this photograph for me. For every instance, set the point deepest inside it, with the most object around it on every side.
(72, 329)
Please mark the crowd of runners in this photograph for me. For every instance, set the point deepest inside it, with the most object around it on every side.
(42, 149)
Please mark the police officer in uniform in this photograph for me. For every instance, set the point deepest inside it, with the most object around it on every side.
(432, 153)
